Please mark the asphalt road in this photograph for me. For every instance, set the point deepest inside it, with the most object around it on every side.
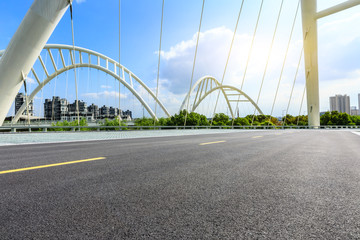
(250, 185)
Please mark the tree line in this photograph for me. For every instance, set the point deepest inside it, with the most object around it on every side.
(221, 119)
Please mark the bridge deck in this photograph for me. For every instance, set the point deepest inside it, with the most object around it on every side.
(241, 185)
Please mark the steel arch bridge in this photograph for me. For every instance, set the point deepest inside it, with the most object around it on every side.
(111, 67)
(207, 85)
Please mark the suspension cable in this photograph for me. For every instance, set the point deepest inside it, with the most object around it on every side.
(285, 58)
(67, 79)
(119, 62)
(53, 102)
(74, 57)
(158, 70)
(42, 87)
(252, 44)
(302, 100)
(292, 89)
(268, 59)
(193, 67)
(26, 101)
(227, 60)
(249, 55)
(33, 107)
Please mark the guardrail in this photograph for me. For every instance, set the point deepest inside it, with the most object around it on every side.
(46, 128)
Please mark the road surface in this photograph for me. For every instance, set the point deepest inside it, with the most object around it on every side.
(301, 184)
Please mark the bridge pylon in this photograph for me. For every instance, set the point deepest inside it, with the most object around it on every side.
(309, 23)
(25, 46)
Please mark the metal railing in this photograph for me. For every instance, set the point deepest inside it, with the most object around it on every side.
(47, 128)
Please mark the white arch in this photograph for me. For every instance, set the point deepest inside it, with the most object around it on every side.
(201, 95)
(97, 65)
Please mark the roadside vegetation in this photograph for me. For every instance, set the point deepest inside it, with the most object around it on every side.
(65, 123)
(220, 119)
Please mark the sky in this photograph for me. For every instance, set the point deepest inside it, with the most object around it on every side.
(96, 28)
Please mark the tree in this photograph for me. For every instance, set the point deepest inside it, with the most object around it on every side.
(241, 122)
(221, 119)
(144, 121)
(82, 123)
(336, 118)
(162, 121)
(289, 120)
(113, 123)
(355, 120)
(192, 119)
(303, 120)
(324, 119)
(257, 120)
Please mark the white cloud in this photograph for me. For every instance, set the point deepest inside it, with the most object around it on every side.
(105, 86)
(80, 1)
(104, 95)
(338, 61)
(212, 54)
(339, 22)
(30, 80)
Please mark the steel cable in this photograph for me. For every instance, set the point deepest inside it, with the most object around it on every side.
(267, 61)
(302, 100)
(119, 62)
(158, 70)
(193, 67)
(227, 61)
(74, 57)
(285, 58)
(249, 54)
(292, 89)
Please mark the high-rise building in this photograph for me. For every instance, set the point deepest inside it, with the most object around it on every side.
(359, 104)
(340, 103)
(19, 101)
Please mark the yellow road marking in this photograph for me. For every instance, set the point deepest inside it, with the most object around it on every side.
(278, 134)
(201, 144)
(257, 136)
(51, 165)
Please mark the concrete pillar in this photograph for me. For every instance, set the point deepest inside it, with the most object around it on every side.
(309, 23)
(25, 46)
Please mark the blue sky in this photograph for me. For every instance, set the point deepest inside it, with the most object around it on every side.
(96, 28)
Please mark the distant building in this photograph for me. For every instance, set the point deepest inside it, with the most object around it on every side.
(126, 114)
(56, 108)
(113, 112)
(72, 114)
(359, 104)
(19, 101)
(94, 109)
(340, 103)
(104, 112)
(81, 105)
(354, 111)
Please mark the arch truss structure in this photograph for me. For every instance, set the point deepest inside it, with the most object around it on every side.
(208, 85)
(85, 58)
